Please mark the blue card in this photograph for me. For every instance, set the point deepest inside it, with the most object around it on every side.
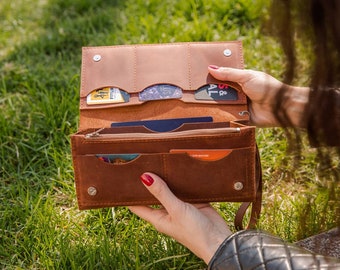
(164, 125)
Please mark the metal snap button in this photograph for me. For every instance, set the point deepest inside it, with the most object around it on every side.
(227, 52)
(238, 186)
(92, 191)
(97, 57)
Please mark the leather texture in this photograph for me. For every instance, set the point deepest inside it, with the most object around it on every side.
(132, 68)
(257, 250)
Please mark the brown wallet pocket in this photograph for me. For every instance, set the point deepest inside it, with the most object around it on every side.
(191, 179)
(228, 179)
(104, 184)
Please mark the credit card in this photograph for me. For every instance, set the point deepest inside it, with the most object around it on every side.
(204, 154)
(117, 158)
(160, 91)
(163, 125)
(216, 92)
(107, 95)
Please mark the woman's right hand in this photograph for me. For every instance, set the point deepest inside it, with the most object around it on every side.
(262, 90)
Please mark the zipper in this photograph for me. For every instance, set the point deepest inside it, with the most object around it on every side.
(96, 135)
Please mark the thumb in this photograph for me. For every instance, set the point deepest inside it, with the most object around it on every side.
(161, 191)
(230, 74)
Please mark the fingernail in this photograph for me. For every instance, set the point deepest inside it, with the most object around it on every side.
(214, 67)
(146, 179)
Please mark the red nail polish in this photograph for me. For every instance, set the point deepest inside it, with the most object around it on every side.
(147, 179)
(214, 67)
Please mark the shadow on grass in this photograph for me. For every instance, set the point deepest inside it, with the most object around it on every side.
(39, 86)
(66, 26)
(40, 79)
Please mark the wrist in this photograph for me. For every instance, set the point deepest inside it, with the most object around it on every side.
(296, 105)
(212, 246)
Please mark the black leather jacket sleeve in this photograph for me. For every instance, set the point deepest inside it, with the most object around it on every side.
(257, 250)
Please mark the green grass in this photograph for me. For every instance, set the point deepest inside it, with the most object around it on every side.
(40, 54)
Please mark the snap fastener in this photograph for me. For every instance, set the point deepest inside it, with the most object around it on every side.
(227, 52)
(238, 186)
(97, 57)
(92, 191)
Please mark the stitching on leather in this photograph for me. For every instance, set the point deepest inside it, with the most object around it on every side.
(77, 182)
(166, 44)
(262, 255)
(240, 52)
(135, 68)
(165, 168)
(83, 68)
(246, 250)
(119, 141)
(237, 254)
(289, 256)
(189, 65)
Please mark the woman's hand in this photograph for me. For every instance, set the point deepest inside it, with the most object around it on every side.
(262, 90)
(198, 227)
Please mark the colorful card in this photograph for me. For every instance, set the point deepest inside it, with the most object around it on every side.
(117, 158)
(163, 125)
(204, 154)
(107, 95)
(160, 91)
(216, 92)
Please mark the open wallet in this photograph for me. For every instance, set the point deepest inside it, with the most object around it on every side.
(155, 108)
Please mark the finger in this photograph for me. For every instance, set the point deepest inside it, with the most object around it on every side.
(230, 74)
(201, 205)
(141, 211)
(147, 213)
(161, 191)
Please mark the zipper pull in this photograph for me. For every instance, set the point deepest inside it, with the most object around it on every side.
(94, 134)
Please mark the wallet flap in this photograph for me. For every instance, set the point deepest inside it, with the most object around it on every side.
(127, 70)
(132, 68)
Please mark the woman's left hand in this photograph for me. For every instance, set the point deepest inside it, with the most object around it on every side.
(197, 226)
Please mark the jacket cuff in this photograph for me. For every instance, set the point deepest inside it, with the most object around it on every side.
(254, 249)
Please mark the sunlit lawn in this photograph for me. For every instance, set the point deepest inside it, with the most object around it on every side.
(40, 53)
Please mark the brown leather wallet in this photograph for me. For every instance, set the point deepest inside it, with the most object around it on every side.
(209, 160)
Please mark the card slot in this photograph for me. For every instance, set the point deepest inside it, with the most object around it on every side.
(192, 155)
(92, 143)
(195, 126)
(104, 116)
(231, 176)
(142, 129)
(114, 96)
(107, 95)
(164, 125)
(95, 136)
(110, 184)
(84, 94)
(183, 127)
(205, 155)
(132, 161)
